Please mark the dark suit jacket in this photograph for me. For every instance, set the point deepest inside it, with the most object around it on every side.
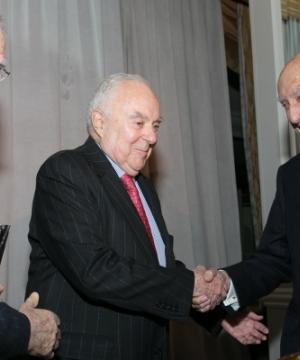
(277, 259)
(94, 266)
(14, 332)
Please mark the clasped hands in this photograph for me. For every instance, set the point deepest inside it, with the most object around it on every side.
(210, 288)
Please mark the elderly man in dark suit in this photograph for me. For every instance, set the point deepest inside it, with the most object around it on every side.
(102, 257)
(30, 330)
(277, 259)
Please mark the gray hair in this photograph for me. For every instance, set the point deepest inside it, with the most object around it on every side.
(103, 91)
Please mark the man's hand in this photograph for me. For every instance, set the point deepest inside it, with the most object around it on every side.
(210, 288)
(246, 328)
(45, 334)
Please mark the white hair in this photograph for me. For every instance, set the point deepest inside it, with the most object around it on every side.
(103, 92)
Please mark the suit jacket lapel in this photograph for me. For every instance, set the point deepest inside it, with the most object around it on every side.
(116, 192)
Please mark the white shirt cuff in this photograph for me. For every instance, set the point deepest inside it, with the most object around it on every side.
(231, 298)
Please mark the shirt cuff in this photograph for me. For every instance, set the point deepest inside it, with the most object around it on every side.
(231, 298)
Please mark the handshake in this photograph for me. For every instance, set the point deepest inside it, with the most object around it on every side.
(210, 288)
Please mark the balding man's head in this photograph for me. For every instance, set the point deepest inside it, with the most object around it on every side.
(124, 120)
(288, 88)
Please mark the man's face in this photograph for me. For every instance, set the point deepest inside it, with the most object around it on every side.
(289, 92)
(129, 133)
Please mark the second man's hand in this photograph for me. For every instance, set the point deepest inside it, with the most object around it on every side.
(246, 328)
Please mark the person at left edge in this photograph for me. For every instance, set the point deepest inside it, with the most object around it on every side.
(30, 330)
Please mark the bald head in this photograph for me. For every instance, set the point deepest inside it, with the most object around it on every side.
(288, 88)
(124, 120)
(289, 76)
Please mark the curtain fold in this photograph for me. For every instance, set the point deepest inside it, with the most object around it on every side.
(57, 53)
(249, 120)
(179, 47)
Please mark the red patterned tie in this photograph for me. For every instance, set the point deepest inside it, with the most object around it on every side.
(133, 193)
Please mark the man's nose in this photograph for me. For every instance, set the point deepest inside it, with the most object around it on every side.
(151, 135)
(294, 114)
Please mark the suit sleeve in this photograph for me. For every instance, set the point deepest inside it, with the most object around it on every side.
(67, 220)
(14, 332)
(260, 274)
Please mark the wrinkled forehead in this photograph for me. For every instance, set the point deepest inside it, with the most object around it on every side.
(130, 92)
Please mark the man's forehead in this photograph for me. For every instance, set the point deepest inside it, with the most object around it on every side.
(289, 79)
(289, 90)
(129, 90)
(141, 115)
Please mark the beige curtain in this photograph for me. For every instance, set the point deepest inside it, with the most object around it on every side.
(179, 46)
(57, 52)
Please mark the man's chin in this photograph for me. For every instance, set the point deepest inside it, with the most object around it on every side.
(136, 167)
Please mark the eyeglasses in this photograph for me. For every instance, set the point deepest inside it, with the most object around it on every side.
(3, 72)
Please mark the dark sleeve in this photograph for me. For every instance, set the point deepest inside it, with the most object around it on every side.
(68, 220)
(260, 274)
(14, 332)
(211, 320)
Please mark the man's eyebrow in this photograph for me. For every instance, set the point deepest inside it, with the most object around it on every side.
(138, 114)
(294, 93)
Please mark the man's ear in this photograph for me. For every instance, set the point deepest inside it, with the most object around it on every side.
(97, 121)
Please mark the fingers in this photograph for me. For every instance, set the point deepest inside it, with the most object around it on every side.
(44, 328)
(56, 319)
(32, 300)
(201, 303)
(199, 270)
(1, 289)
(209, 275)
(212, 284)
(261, 328)
(246, 328)
(252, 315)
(257, 322)
(57, 340)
